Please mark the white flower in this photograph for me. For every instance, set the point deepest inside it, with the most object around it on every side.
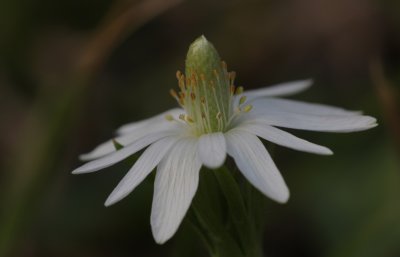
(216, 119)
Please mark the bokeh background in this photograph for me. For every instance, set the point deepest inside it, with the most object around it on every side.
(73, 71)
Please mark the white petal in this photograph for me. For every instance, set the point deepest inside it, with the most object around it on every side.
(212, 149)
(256, 164)
(283, 89)
(125, 139)
(313, 122)
(175, 185)
(284, 105)
(109, 147)
(143, 166)
(283, 138)
(148, 123)
(123, 153)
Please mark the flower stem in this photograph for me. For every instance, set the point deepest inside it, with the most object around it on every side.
(226, 215)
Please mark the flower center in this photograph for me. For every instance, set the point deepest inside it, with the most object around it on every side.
(207, 91)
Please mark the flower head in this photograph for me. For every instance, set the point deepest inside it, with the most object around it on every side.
(215, 119)
(207, 92)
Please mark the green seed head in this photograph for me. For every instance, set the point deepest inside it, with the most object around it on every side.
(206, 89)
(203, 58)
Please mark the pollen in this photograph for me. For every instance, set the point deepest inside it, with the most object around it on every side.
(247, 108)
(239, 91)
(173, 93)
(242, 100)
(169, 117)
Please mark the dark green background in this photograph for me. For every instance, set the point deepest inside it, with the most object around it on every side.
(52, 109)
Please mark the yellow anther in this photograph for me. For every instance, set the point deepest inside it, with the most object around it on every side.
(178, 74)
(239, 90)
(193, 96)
(219, 115)
(232, 88)
(242, 100)
(188, 119)
(247, 108)
(203, 99)
(169, 117)
(173, 93)
(193, 79)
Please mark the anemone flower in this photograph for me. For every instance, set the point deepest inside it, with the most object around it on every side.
(215, 119)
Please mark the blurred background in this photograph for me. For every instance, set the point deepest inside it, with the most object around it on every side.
(73, 71)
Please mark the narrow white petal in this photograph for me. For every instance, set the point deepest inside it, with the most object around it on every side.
(148, 123)
(143, 166)
(275, 104)
(123, 153)
(175, 185)
(125, 139)
(256, 164)
(325, 123)
(109, 147)
(283, 138)
(212, 149)
(283, 89)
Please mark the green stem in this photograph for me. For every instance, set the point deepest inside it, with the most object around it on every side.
(226, 223)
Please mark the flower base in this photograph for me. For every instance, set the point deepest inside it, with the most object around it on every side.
(228, 215)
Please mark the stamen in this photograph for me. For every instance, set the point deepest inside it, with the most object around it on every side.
(193, 79)
(188, 119)
(239, 90)
(219, 119)
(247, 108)
(178, 74)
(181, 82)
(206, 122)
(232, 89)
(242, 100)
(169, 117)
(209, 111)
(215, 97)
(173, 93)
